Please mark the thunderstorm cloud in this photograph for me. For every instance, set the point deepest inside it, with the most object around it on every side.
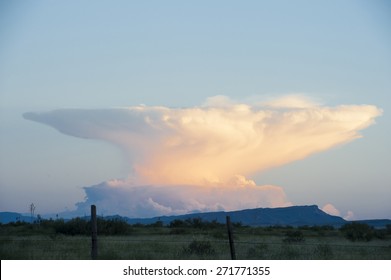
(188, 159)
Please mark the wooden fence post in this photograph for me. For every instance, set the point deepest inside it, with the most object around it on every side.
(94, 233)
(231, 238)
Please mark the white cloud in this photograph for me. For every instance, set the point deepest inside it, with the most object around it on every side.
(349, 216)
(293, 101)
(194, 145)
(330, 209)
(149, 201)
(186, 159)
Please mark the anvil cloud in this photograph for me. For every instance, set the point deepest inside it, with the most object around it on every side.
(207, 146)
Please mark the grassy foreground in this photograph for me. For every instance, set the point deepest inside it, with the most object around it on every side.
(192, 241)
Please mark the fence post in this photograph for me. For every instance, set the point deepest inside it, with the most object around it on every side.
(231, 238)
(94, 233)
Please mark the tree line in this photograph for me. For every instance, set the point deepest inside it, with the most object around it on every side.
(82, 226)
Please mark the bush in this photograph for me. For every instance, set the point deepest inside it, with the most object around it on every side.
(76, 226)
(196, 223)
(179, 231)
(293, 237)
(199, 248)
(177, 223)
(388, 228)
(380, 234)
(260, 251)
(357, 232)
(113, 227)
(323, 252)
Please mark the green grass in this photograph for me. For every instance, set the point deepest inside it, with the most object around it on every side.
(44, 247)
(168, 243)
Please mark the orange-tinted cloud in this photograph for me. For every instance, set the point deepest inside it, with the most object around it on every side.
(201, 156)
(214, 142)
(330, 209)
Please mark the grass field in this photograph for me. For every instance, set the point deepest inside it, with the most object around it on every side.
(140, 243)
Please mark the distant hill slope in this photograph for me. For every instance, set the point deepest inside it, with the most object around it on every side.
(286, 216)
(377, 223)
(9, 217)
(292, 216)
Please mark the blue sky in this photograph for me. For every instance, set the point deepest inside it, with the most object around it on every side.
(105, 54)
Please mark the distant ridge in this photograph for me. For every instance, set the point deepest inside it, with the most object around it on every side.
(9, 217)
(309, 215)
(285, 216)
(376, 223)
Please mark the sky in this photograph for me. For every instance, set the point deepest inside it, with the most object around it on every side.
(151, 108)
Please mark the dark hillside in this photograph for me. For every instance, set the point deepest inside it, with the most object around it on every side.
(284, 216)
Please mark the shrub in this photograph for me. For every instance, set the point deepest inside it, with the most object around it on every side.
(293, 236)
(388, 228)
(260, 251)
(199, 248)
(179, 231)
(357, 232)
(76, 226)
(380, 233)
(114, 226)
(177, 223)
(323, 252)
